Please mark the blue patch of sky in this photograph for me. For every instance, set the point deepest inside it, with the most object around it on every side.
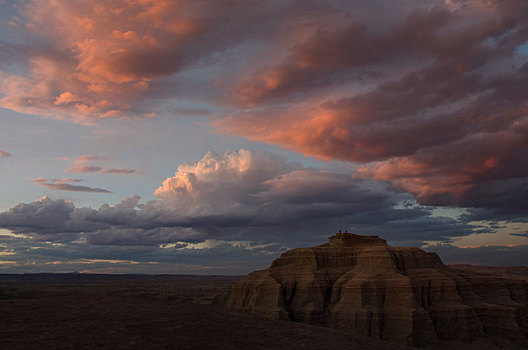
(523, 49)
(450, 212)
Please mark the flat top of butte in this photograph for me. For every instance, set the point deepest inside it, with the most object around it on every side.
(351, 240)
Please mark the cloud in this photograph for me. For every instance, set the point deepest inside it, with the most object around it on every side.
(65, 185)
(44, 215)
(193, 112)
(117, 171)
(96, 56)
(81, 165)
(227, 208)
(5, 154)
(242, 195)
(220, 181)
(209, 257)
(440, 114)
(58, 181)
(520, 234)
(90, 158)
(91, 60)
(428, 95)
(74, 188)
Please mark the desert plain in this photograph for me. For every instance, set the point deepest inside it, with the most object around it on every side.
(84, 311)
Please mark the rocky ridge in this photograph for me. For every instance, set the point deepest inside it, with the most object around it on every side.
(405, 295)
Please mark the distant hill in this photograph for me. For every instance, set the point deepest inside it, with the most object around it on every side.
(515, 271)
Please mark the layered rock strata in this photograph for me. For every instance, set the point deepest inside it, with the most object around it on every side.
(406, 295)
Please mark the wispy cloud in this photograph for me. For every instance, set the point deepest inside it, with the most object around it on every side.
(82, 165)
(65, 185)
(5, 154)
(58, 181)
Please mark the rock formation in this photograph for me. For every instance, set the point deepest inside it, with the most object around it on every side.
(406, 295)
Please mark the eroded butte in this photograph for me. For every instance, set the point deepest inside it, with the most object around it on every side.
(405, 295)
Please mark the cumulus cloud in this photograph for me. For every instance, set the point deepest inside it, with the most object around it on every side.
(240, 195)
(220, 182)
(65, 185)
(44, 217)
(230, 207)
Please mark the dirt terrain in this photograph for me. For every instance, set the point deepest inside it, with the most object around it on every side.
(54, 311)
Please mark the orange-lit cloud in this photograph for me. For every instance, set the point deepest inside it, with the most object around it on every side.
(90, 60)
(99, 56)
(434, 101)
(5, 154)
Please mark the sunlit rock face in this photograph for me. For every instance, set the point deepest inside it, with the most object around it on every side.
(406, 295)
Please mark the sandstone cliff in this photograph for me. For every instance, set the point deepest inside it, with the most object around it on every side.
(360, 284)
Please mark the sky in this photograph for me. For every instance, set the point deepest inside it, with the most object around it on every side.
(208, 137)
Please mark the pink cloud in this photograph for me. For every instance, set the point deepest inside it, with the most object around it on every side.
(80, 165)
(101, 56)
(90, 157)
(57, 181)
(5, 154)
(105, 59)
(65, 185)
(84, 169)
(73, 188)
(117, 171)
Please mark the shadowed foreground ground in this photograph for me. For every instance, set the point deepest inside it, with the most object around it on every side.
(145, 312)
